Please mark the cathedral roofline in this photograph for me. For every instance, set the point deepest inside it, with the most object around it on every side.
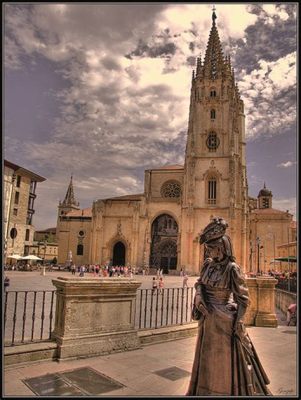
(166, 167)
(84, 213)
(269, 211)
(126, 197)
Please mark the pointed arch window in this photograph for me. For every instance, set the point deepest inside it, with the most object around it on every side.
(212, 93)
(80, 250)
(211, 190)
(212, 114)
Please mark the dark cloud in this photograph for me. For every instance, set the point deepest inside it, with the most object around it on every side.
(110, 64)
(191, 61)
(267, 41)
(191, 46)
(157, 50)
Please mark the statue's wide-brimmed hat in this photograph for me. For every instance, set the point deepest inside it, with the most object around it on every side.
(214, 231)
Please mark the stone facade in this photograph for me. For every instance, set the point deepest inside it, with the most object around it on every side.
(160, 227)
(44, 250)
(19, 196)
(272, 227)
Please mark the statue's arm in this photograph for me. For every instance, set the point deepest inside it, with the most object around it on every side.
(240, 294)
(199, 300)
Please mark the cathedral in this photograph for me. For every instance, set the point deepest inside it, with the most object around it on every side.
(160, 227)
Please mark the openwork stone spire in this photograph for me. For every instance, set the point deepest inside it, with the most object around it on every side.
(214, 63)
(69, 200)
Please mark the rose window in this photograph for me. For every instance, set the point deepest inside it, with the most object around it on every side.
(171, 189)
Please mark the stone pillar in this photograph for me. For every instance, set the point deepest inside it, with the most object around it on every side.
(249, 318)
(95, 316)
(266, 315)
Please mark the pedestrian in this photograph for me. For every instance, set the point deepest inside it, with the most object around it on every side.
(158, 273)
(73, 269)
(82, 270)
(291, 315)
(185, 280)
(161, 285)
(154, 285)
(181, 272)
(6, 283)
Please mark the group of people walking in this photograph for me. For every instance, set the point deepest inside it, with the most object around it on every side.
(103, 271)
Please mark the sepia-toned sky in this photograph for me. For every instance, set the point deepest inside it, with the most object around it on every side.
(101, 91)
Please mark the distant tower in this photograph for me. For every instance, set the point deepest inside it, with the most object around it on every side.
(265, 198)
(69, 202)
(215, 181)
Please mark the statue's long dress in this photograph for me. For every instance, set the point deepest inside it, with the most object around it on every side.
(225, 364)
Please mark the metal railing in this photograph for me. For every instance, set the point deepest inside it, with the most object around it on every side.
(158, 308)
(288, 285)
(28, 316)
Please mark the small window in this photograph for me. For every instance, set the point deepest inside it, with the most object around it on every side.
(80, 250)
(15, 211)
(27, 234)
(18, 181)
(13, 233)
(17, 196)
(212, 191)
(81, 233)
(212, 93)
(212, 114)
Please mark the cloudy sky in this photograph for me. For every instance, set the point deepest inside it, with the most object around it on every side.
(101, 91)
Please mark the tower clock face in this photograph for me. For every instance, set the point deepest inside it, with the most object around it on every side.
(212, 141)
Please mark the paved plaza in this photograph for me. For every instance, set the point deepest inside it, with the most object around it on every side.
(156, 370)
(33, 280)
(161, 369)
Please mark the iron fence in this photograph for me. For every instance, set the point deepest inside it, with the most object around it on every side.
(28, 316)
(288, 285)
(158, 308)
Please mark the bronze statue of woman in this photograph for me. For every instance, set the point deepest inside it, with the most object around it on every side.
(225, 363)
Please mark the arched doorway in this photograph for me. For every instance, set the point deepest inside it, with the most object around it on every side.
(119, 254)
(164, 243)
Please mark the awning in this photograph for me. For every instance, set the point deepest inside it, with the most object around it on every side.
(15, 256)
(286, 259)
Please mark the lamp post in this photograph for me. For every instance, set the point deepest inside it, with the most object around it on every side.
(258, 244)
(251, 256)
(288, 259)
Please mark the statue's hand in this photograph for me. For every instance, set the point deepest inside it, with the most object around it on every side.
(203, 309)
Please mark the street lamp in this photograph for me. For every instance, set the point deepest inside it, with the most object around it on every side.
(258, 244)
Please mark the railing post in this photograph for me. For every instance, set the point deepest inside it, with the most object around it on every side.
(266, 315)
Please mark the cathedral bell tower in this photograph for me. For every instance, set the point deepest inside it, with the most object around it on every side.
(215, 182)
(69, 202)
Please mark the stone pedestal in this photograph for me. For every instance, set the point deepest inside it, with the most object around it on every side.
(266, 315)
(95, 316)
(261, 311)
(249, 318)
